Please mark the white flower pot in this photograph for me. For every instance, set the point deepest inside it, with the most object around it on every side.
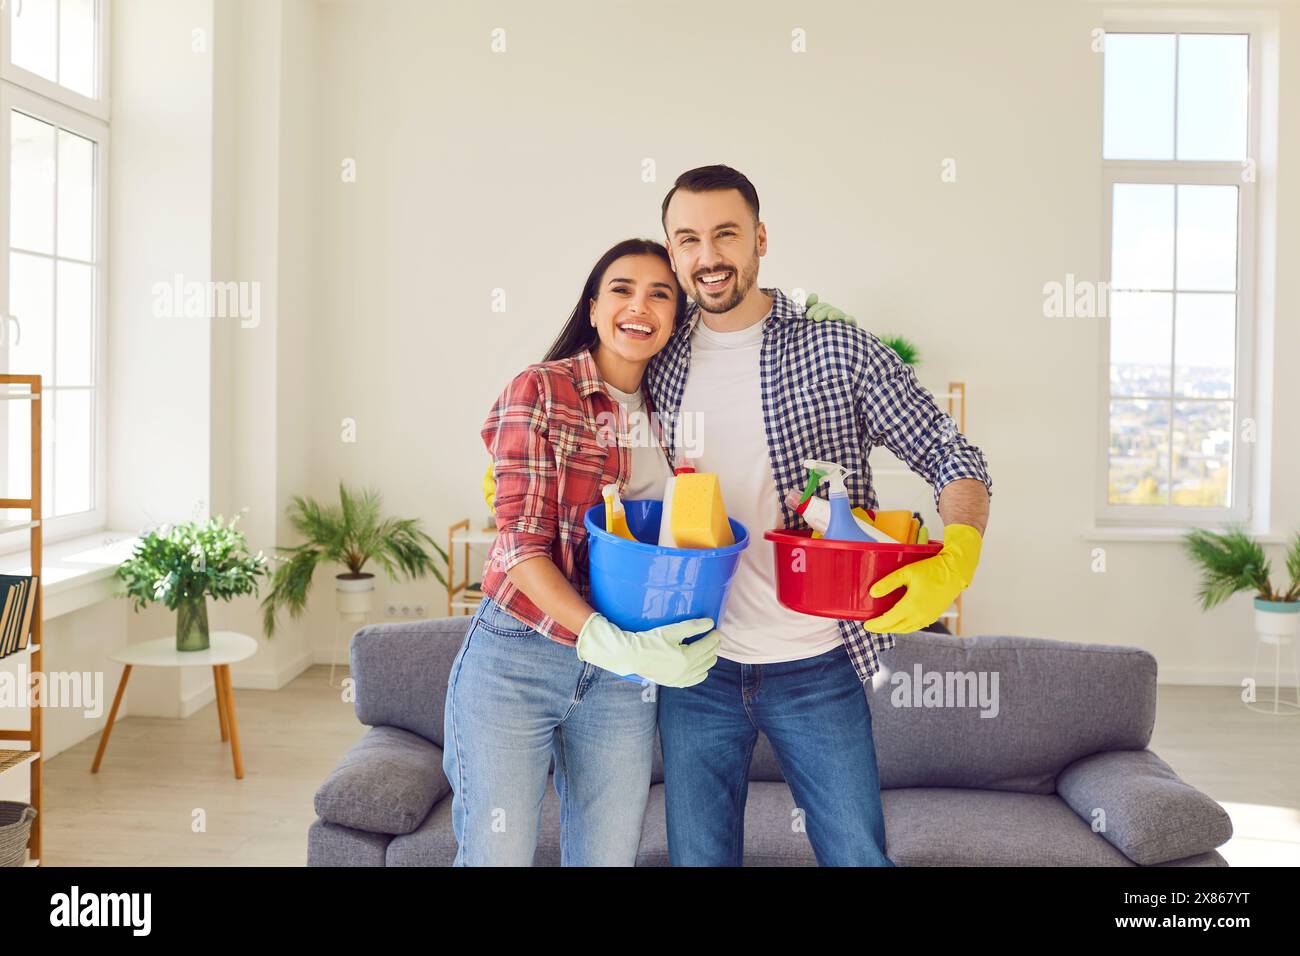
(354, 594)
(1277, 622)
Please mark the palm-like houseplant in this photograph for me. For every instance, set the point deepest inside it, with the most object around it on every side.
(906, 349)
(350, 534)
(1232, 561)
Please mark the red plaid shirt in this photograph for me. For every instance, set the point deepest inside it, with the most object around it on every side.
(555, 437)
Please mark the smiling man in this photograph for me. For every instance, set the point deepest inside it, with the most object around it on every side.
(769, 388)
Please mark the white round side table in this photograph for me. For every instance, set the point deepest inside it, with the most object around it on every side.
(225, 648)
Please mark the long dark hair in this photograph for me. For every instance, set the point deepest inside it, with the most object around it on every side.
(578, 332)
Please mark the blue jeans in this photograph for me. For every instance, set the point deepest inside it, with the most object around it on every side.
(815, 714)
(515, 699)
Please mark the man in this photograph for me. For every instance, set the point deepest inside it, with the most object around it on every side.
(768, 389)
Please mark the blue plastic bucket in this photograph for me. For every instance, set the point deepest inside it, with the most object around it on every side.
(639, 585)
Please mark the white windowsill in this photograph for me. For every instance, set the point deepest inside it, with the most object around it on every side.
(76, 572)
(1172, 535)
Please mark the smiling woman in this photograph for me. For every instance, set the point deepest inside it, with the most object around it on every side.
(636, 259)
(510, 697)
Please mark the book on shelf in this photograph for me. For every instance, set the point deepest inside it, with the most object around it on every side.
(19, 601)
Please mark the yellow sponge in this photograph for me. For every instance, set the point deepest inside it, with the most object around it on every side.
(699, 519)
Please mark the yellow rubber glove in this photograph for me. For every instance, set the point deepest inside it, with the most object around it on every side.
(490, 489)
(931, 584)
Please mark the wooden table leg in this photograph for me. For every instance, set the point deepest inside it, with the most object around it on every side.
(234, 726)
(112, 715)
(221, 700)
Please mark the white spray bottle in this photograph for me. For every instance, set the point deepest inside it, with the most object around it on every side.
(842, 524)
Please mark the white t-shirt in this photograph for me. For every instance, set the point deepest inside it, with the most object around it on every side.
(723, 389)
(649, 466)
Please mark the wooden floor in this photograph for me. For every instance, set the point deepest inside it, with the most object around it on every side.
(139, 810)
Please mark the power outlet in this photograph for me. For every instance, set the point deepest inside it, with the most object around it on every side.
(405, 610)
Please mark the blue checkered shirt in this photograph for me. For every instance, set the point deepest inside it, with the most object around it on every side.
(831, 391)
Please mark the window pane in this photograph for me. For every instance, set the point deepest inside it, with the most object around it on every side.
(1207, 238)
(73, 336)
(18, 451)
(49, 464)
(31, 183)
(1139, 453)
(1142, 237)
(1205, 346)
(1141, 341)
(18, 471)
(1138, 111)
(77, 46)
(1212, 84)
(72, 413)
(76, 187)
(31, 304)
(33, 40)
(1202, 453)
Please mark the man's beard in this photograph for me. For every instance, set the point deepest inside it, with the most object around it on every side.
(744, 282)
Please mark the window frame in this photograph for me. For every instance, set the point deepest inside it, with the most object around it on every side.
(100, 108)
(1190, 172)
(42, 108)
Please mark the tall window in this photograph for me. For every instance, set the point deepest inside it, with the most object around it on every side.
(1179, 198)
(53, 165)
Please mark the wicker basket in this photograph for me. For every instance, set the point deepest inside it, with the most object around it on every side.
(15, 827)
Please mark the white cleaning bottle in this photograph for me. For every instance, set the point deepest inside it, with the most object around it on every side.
(817, 512)
(666, 539)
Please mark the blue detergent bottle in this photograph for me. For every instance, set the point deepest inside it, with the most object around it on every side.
(842, 526)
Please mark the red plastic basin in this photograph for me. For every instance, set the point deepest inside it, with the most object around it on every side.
(833, 578)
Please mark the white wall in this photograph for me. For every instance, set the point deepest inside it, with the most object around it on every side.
(197, 405)
(479, 170)
(160, 173)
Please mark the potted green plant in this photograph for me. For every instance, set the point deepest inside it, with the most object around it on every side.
(1232, 561)
(180, 565)
(350, 534)
(907, 350)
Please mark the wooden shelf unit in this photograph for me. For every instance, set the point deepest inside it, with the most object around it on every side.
(35, 656)
(460, 596)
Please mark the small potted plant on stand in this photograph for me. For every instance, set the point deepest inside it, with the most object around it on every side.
(350, 535)
(1231, 561)
(180, 565)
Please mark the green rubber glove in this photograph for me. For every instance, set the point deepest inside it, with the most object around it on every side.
(658, 655)
(818, 311)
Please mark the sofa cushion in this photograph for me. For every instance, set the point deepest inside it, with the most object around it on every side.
(329, 844)
(939, 827)
(386, 783)
(1049, 703)
(924, 828)
(401, 670)
(1142, 808)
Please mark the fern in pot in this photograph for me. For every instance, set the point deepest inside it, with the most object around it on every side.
(349, 534)
(1232, 561)
(181, 565)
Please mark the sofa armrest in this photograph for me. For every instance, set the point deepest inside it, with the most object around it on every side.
(387, 783)
(400, 672)
(1146, 811)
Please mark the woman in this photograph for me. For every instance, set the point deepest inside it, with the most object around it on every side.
(536, 676)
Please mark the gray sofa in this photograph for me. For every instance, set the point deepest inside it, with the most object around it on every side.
(1057, 774)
